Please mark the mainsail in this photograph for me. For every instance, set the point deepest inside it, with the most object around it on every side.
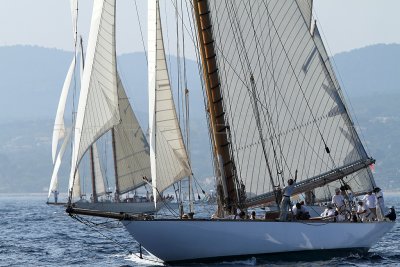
(283, 109)
(98, 102)
(168, 156)
(305, 7)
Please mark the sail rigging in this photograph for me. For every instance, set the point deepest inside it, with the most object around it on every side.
(168, 156)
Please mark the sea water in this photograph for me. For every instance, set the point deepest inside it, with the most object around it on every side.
(33, 233)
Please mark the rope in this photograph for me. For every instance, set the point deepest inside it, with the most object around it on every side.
(93, 226)
(141, 33)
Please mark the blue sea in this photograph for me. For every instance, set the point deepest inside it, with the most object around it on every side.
(33, 233)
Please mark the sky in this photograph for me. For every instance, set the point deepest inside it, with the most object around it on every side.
(344, 24)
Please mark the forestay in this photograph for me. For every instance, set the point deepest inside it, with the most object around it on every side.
(98, 102)
(272, 70)
(169, 160)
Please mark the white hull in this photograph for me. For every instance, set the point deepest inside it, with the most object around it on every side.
(185, 240)
(131, 208)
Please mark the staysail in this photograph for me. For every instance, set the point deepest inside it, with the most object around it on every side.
(283, 109)
(98, 102)
(98, 174)
(131, 147)
(168, 156)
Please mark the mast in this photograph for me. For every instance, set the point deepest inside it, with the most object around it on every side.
(117, 192)
(219, 127)
(94, 192)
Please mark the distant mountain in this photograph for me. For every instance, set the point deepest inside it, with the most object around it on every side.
(32, 78)
(370, 71)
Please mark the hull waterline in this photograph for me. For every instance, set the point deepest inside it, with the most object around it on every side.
(186, 240)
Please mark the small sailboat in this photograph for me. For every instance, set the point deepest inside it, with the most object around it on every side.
(275, 106)
(103, 108)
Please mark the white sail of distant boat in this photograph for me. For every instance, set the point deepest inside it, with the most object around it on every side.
(168, 156)
(59, 130)
(99, 181)
(104, 108)
(275, 108)
(54, 177)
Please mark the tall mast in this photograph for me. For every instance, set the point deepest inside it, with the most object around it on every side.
(94, 192)
(219, 127)
(117, 193)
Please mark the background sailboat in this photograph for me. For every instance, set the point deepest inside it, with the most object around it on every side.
(104, 108)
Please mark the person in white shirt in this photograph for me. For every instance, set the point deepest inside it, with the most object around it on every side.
(338, 200)
(381, 203)
(329, 212)
(364, 212)
(285, 202)
(370, 201)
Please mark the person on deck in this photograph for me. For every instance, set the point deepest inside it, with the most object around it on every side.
(55, 192)
(329, 212)
(300, 212)
(253, 215)
(338, 200)
(286, 193)
(364, 212)
(381, 203)
(391, 215)
(370, 201)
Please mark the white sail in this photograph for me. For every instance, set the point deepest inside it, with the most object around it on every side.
(74, 12)
(131, 147)
(98, 102)
(57, 164)
(98, 174)
(59, 126)
(168, 156)
(76, 189)
(305, 7)
(272, 72)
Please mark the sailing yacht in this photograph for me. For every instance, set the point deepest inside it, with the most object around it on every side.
(103, 108)
(275, 106)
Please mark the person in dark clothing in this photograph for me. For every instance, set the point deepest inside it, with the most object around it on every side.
(391, 215)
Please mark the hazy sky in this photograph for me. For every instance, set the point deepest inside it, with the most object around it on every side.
(346, 24)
